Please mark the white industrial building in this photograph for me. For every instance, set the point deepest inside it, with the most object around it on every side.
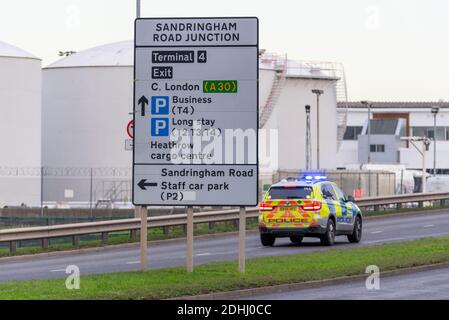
(20, 126)
(285, 89)
(395, 119)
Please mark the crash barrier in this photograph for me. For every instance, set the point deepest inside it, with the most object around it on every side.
(13, 236)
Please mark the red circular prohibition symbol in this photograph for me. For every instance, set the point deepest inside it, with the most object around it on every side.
(130, 129)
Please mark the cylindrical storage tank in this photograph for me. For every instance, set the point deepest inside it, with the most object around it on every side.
(87, 100)
(20, 127)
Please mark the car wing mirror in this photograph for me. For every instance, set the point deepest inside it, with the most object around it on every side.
(350, 199)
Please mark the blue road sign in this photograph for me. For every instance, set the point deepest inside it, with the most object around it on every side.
(160, 127)
(160, 105)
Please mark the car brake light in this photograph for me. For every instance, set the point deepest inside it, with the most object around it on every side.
(265, 207)
(314, 206)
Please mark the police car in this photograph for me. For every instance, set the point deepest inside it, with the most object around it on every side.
(310, 206)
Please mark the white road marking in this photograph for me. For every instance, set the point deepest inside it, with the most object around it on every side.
(133, 262)
(376, 232)
(203, 254)
(386, 240)
(429, 226)
(58, 270)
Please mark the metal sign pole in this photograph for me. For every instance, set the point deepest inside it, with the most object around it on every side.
(143, 238)
(424, 182)
(189, 257)
(138, 9)
(42, 191)
(242, 239)
(318, 166)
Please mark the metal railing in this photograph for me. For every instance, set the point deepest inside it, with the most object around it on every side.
(104, 227)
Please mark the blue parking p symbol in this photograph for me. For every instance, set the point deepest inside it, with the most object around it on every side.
(160, 105)
(159, 127)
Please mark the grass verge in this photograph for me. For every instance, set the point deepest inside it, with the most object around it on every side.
(223, 276)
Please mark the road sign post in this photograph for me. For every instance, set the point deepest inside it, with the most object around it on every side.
(242, 239)
(195, 113)
(189, 257)
(143, 238)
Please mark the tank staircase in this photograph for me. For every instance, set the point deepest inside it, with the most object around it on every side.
(115, 192)
(280, 65)
(341, 92)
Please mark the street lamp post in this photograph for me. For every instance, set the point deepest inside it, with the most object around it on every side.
(318, 92)
(434, 111)
(308, 139)
(368, 105)
(422, 151)
(138, 8)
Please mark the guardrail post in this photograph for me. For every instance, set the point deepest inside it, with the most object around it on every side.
(442, 202)
(12, 246)
(242, 239)
(398, 206)
(133, 235)
(165, 231)
(45, 243)
(143, 238)
(104, 237)
(420, 204)
(189, 260)
(211, 226)
(137, 212)
(76, 241)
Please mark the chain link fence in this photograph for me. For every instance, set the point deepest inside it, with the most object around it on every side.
(356, 183)
(65, 187)
(49, 195)
(96, 188)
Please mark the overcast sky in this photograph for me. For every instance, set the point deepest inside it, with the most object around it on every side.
(391, 49)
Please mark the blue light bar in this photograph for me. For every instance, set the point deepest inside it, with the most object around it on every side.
(314, 176)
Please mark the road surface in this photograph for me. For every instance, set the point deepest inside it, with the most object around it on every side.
(222, 248)
(432, 285)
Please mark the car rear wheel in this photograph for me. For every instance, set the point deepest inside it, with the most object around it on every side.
(267, 240)
(328, 238)
(296, 239)
(356, 235)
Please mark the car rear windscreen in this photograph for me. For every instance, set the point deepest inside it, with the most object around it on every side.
(290, 193)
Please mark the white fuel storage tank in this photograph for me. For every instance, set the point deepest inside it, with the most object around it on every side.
(87, 100)
(20, 127)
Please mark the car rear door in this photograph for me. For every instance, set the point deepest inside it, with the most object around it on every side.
(346, 219)
(331, 200)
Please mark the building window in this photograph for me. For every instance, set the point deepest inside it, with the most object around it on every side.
(377, 148)
(352, 132)
(442, 132)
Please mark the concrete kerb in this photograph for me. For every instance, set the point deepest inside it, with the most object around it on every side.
(245, 293)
